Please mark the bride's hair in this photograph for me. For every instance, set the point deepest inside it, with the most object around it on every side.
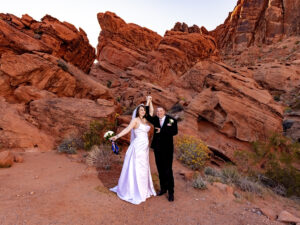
(138, 110)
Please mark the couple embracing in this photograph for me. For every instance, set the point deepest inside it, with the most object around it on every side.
(135, 183)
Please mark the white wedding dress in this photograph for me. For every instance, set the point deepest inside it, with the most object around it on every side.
(135, 183)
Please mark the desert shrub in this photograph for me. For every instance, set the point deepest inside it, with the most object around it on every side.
(199, 182)
(100, 156)
(211, 171)
(212, 179)
(247, 185)
(271, 184)
(192, 152)
(288, 177)
(70, 145)
(94, 136)
(230, 175)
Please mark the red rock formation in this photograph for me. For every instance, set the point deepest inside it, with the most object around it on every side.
(62, 116)
(257, 22)
(61, 39)
(17, 131)
(45, 72)
(222, 105)
(129, 47)
(40, 63)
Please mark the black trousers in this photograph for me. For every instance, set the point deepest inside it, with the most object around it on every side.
(164, 161)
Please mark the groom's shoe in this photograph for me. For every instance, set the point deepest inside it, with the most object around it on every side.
(161, 192)
(171, 197)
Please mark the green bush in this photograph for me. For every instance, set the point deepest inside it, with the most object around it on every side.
(192, 152)
(94, 136)
(230, 175)
(289, 177)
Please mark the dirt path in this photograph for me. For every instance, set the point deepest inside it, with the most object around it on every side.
(49, 188)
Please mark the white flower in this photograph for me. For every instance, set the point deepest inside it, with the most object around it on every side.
(171, 121)
(109, 134)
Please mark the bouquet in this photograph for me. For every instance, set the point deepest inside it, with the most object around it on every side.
(114, 146)
(109, 134)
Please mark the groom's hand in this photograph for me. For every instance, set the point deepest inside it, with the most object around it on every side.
(157, 129)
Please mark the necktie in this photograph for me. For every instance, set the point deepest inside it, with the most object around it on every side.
(160, 121)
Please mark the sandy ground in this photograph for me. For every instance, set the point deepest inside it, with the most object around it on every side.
(51, 188)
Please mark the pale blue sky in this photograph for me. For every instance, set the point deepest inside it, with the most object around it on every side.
(157, 15)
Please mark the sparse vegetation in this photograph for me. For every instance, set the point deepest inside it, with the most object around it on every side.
(297, 42)
(287, 109)
(70, 145)
(275, 159)
(100, 157)
(94, 136)
(230, 175)
(192, 152)
(199, 182)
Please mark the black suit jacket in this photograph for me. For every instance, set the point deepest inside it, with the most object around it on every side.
(164, 139)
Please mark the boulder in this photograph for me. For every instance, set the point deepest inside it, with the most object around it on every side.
(6, 159)
(286, 217)
(17, 131)
(63, 116)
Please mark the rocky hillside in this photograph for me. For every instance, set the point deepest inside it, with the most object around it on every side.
(262, 38)
(50, 86)
(44, 92)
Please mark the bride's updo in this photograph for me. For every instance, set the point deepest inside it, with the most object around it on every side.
(138, 111)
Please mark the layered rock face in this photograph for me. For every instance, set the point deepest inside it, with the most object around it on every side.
(224, 106)
(254, 22)
(43, 81)
(142, 52)
(61, 39)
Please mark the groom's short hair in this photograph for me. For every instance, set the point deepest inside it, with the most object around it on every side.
(160, 107)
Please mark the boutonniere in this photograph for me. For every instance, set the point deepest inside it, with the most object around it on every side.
(171, 121)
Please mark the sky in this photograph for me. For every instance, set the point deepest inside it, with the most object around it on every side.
(157, 15)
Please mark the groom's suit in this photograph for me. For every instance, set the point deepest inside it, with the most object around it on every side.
(163, 147)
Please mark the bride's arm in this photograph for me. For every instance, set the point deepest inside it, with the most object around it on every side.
(150, 105)
(151, 109)
(125, 131)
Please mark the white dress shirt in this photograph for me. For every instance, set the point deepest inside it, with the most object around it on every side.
(162, 120)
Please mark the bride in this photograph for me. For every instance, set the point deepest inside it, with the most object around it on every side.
(135, 182)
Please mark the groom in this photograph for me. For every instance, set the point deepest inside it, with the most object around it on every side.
(165, 127)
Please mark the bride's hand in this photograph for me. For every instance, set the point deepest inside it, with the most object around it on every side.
(114, 138)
